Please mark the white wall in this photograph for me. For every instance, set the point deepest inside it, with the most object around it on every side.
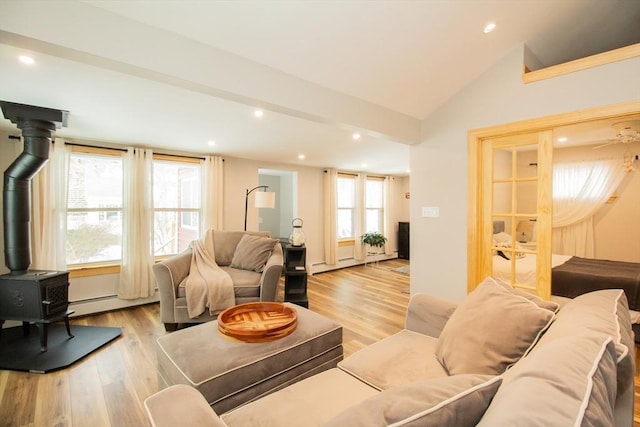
(439, 162)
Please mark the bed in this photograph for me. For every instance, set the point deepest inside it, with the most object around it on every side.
(572, 276)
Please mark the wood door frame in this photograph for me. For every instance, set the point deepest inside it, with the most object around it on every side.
(475, 137)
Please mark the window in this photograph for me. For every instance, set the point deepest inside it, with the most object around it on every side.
(94, 208)
(190, 199)
(176, 199)
(374, 203)
(346, 193)
(584, 180)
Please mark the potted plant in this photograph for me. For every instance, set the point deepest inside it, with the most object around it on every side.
(375, 240)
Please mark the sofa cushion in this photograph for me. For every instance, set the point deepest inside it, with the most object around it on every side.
(310, 402)
(246, 284)
(459, 400)
(194, 410)
(225, 243)
(549, 305)
(490, 330)
(566, 382)
(600, 312)
(406, 357)
(252, 252)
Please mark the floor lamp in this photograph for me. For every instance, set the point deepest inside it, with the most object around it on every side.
(263, 199)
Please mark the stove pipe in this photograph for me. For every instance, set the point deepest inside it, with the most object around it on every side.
(37, 125)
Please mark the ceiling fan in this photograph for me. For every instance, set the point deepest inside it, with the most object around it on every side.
(626, 132)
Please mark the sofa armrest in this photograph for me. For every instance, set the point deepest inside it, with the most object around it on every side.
(427, 314)
(180, 405)
(168, 274)
(271, 274)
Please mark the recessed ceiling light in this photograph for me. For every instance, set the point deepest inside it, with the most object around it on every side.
(364, 165)
(562, 139)
(408, 170)
(301, 156)
(489, 27)
(211, 143)
(26, 60)
(356, 136)
(258, 113)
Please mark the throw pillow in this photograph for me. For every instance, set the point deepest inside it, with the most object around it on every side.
(570, 381)
(458, 400)
(490, 330)
(549, 305)
(252, 252)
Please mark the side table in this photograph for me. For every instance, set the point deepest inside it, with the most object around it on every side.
(295, 275)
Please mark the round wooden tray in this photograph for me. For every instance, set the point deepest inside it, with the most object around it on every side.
(258, 321)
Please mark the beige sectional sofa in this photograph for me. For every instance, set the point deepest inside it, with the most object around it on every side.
(254, 264)
(499, 358)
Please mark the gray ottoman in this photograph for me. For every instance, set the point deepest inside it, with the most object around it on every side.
(230, 373)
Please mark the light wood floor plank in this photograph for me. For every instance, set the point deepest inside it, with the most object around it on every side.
(87, 394)
(55, 410)
(107, 388)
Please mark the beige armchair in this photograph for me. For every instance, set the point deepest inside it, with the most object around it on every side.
(249, 285)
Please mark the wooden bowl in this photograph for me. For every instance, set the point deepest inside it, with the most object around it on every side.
(258, 321)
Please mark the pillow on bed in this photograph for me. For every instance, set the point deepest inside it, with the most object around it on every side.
(501, 237)
(490, 330)
(507, 254)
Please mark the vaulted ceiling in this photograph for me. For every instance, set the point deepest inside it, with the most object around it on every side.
(177, 74)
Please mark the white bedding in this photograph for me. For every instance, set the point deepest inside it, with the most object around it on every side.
(525, 268)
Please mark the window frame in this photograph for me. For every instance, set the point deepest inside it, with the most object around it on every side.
(381, 209)
(82, 150)
(179, 210)
(347, 239)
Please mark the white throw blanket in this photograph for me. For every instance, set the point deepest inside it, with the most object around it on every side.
(207, 284)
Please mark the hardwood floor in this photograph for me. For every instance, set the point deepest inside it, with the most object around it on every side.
(108, 387)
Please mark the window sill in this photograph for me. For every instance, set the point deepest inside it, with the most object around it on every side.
(93, 270)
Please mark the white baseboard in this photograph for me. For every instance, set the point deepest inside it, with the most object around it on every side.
(109, 303)
(321, 267)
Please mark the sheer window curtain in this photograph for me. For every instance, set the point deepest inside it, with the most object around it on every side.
(360, 218)
(136, 276)
(212, 193)
(574, 205)
(49, 210)
(329, 185)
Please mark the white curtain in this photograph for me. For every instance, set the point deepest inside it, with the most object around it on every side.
(579, 190)
(389, 226)
(360, 218)
(212, 193)
(49, 211)
(329, 185)
(136, 276)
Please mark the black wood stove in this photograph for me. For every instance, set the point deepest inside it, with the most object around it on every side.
(30, 296)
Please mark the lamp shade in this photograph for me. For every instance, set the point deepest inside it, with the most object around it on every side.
(265, 199)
